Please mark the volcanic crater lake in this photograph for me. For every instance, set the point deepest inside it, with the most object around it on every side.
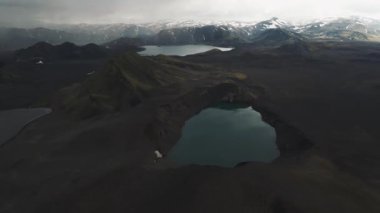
(179, 50)
(225, 135)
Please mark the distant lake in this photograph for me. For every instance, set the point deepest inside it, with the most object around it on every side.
(179, 50)
(12, 121)
(225, 135)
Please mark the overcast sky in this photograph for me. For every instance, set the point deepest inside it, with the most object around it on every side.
(38, 12)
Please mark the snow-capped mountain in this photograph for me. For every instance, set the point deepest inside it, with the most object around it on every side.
(188, 32)
(339, 29)
(219, 32)
(163, 25)
(273, 23)
(353, 28)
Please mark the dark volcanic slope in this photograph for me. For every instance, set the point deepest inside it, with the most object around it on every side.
(24, 82)
(323, 106)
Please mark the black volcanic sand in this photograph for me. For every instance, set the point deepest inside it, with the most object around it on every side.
(323, 107)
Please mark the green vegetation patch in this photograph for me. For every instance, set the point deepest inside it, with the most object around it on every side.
(124, 82)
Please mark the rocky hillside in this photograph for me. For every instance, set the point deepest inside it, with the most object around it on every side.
(277, 36)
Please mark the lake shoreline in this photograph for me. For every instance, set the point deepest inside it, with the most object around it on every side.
(16, 120)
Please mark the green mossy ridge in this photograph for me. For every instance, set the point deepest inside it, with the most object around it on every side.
(123, 83)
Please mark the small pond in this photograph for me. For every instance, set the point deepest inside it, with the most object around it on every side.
(225, 135)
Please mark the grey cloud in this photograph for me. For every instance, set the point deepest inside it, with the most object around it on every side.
(15, 4)
(37, 12)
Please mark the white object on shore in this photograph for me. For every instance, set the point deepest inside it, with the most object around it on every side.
(158, 154)
(40, 62)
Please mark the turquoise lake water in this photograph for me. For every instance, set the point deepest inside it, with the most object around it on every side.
(225, 135)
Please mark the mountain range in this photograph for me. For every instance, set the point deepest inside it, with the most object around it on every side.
(191, 32)
(67, 50)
